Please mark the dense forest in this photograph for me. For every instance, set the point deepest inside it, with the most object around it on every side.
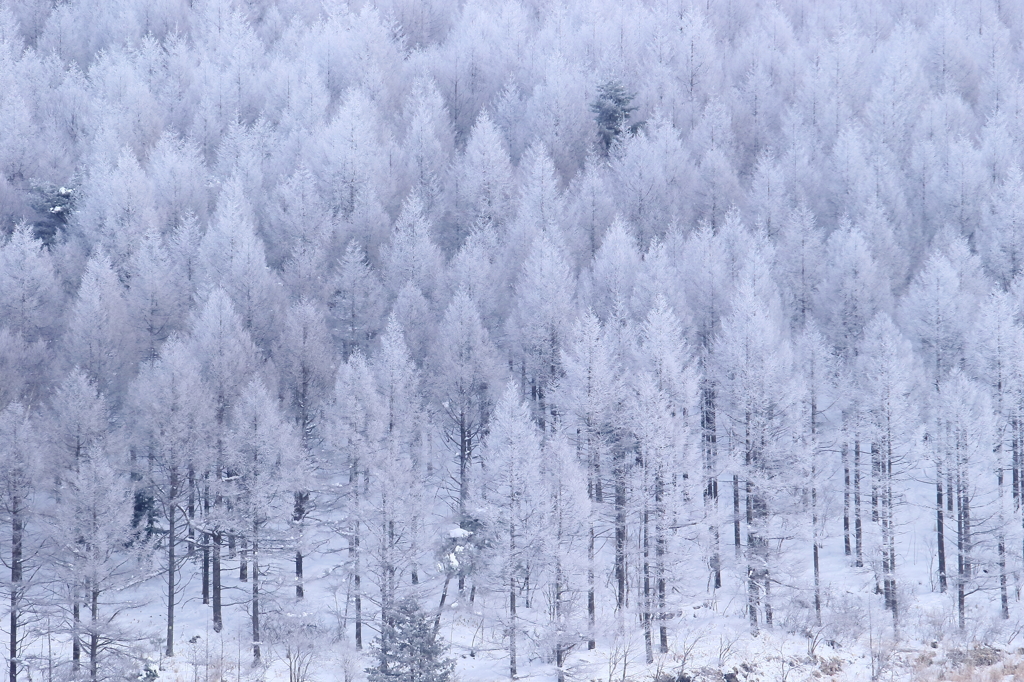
(536, 338)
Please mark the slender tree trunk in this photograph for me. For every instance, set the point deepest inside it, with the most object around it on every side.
(620, 529)
(753, 570)
(206, 541)
(560, 650)
(440, 606)
(709, 442)
(591, 600)
(512, 627)
(191, 510)
(255, 597)
(17, 538)
(647, 616)
(1015, 463)
(736, 543)
(218, 617)
(814, 545)
(890, 520)
(876, 467)
(814, 510)
(961, 555)
(298, 516)
(243, 560)
(846, 500)
(659, 561)
(356, 586)
(76, 633)
(1001, 540)
(940, 527)
(172, 540)
(94, 635)
(858, 530)
(594, 497)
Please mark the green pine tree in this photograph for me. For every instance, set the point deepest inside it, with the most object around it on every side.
(406, 650)
(612, 110)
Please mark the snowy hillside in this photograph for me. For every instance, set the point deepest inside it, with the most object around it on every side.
(458, 340)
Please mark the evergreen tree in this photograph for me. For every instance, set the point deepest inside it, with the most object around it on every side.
(406, 650)
(612, 110)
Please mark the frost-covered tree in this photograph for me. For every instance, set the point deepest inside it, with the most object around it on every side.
(514, 502)
(174, 418)
(465, 371)
(755, 361)
(19, 461)
(263, 456)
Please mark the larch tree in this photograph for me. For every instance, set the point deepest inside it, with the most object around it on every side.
(482, 183)
(755, 360)
(588, 403)
(963, 412)
(566, 520)
(99, 552)
(233, 258)
(464, 370)
(306, 368)
(888, 379)
(513, 498)
(538, 324)
(936, 316)
(98, 338)
(174, 419)
(228, 359)
(664, 399)
(357, 303)
(396, 466)
(156, 301)
(31, 301)
(264, 452)
(18, 471)
(994, 352)
(355, 431)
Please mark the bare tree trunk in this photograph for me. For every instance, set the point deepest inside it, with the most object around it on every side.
(1015, 463)
(298, 516)
(560, 649)
(814, 510)
(594, 495)
(940, 527)
(647, 615)
(94, 635)
(620, 529)
(709, 442)
(659, 567)
(218, 618)
(356, 586)
(76, 633)
(255, 598)
(1001, 541)
(172, 540)
(512, 627)
(440, 606)
(206, 543)
(591, 600)
(191, 510)
(17, 539)
(846, 500)
(814, 543)
(736, 543)
(858, 530)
